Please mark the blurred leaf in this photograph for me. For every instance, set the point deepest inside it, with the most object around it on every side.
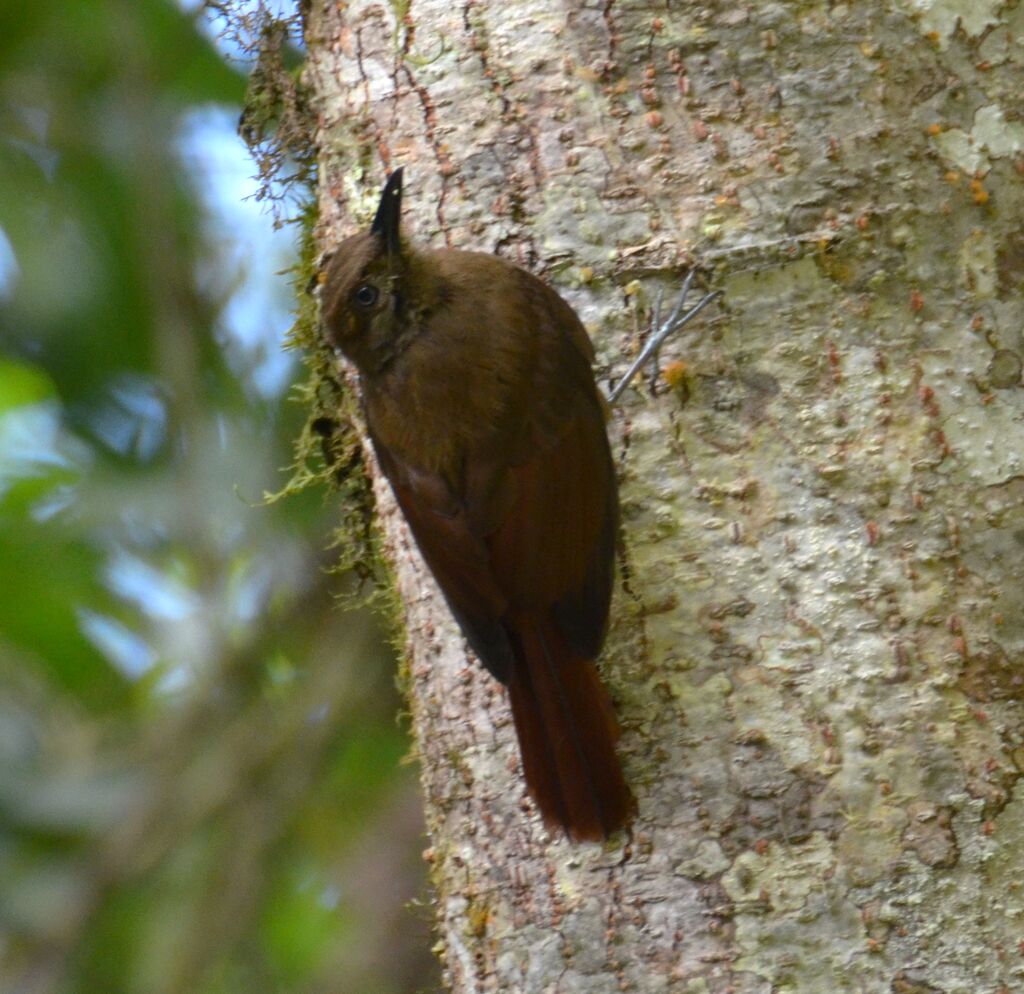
(22, 384)
(186, 65)
(89, 126)
(19, 19)
(301, 922)
(46, 574)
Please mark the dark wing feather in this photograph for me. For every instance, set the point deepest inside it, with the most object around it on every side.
(554, 547)
(458, 560)
(553, 551)
(529, 526)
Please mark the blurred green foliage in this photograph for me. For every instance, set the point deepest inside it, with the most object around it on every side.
(201, 785)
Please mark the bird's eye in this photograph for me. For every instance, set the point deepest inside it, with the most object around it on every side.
(366, 295)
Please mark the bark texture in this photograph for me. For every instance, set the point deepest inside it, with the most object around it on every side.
(817, 653)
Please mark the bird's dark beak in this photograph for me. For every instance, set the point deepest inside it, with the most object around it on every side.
(389, 213)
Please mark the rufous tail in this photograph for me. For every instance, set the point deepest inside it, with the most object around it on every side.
(567, 733)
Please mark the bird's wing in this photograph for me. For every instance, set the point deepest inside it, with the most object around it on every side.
(529, 526)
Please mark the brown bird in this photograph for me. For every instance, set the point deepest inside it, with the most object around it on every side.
(483, 411)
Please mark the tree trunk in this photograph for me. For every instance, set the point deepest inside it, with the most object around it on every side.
(817, 643)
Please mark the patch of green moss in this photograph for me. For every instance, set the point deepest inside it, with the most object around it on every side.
(277, 124)
(329, 450)
(278, 127)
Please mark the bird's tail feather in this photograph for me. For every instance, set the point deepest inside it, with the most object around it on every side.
(567, 733)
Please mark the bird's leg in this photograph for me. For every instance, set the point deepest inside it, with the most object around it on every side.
(662, 330)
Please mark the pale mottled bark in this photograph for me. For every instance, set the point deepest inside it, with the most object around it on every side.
(818, 660)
